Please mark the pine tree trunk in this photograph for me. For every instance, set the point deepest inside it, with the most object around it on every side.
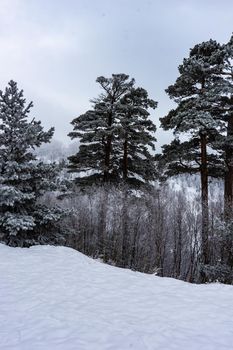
(125, 159)
(108, 149)
(177, 247)
(102, 236)
(204, 200)
(125, 233)
(226, 249)
(228, 191)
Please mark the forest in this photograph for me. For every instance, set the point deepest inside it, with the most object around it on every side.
(111, 195)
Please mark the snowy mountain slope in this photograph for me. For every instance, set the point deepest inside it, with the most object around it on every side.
(54, 298)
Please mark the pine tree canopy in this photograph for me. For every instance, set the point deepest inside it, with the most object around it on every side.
(185, 157)
(115, 135)
(197, 92)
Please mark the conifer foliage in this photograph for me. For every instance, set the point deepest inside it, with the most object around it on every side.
(22, 179)
(115, 134)
(196, 92)
(203, 92)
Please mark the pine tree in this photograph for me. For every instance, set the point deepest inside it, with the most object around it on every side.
(224, 145)
(196, 91)
(96, 130)
(227, 104)
(136, 134)
(115, 134)
(22, 179)
(224, 111)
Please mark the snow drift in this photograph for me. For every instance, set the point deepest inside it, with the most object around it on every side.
(54, 298)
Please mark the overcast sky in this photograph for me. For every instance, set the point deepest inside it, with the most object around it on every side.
(55, 49)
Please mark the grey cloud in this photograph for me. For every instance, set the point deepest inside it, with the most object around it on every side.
(56, 49)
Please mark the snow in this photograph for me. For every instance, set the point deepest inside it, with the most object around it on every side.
(55, 298)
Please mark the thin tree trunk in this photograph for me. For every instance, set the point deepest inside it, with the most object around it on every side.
(108, 148)
(125, 230)
(204, 199)
(102, 234)
(125, 159)
(226, 249)
(228, 191)
(177, 255)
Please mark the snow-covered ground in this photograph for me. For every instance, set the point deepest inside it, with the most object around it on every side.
(54, 298)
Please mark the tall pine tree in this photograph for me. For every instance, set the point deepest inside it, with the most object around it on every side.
(23, 180)
(115, 135)
(224, 111)
(196, 91)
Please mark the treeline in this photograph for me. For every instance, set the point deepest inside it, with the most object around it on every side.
(117, 205)
(150, 230)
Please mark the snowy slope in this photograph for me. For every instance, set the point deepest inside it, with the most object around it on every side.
(54, 298)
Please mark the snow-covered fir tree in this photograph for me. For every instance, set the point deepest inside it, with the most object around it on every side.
(23, 221)
(115, 135)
